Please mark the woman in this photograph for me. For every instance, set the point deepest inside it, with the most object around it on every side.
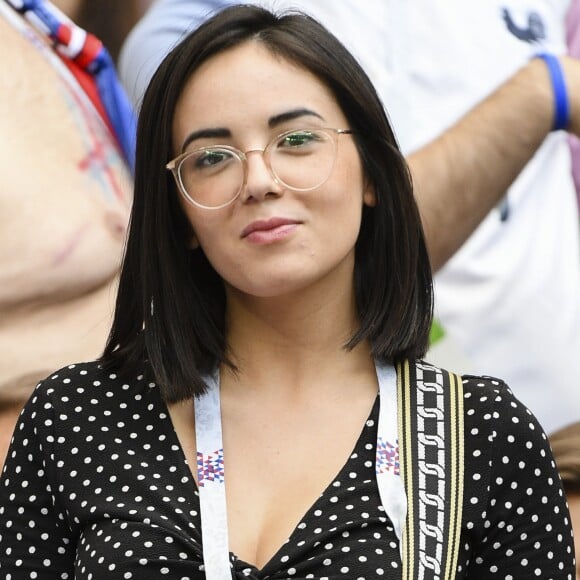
(267, 293)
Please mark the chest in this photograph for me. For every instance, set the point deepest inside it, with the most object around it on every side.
(278, 465)
(344, 530)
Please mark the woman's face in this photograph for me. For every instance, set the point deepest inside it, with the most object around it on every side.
(271, 240)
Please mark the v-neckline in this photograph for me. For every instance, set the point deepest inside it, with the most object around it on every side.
(310, 510)
(373, 414)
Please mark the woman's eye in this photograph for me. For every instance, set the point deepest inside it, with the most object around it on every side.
(210, 158)
(298, 139)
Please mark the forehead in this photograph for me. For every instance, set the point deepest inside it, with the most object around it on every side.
(248, 81)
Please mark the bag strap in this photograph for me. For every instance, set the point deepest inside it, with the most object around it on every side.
(430, 408)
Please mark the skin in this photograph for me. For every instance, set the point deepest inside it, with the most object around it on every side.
(70, 7)
(290, 307)
(291, 264)
(454, 186)
(64, 205)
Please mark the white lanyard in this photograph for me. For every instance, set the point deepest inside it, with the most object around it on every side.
(211, 474)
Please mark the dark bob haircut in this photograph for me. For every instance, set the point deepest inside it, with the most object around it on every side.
(169, 319)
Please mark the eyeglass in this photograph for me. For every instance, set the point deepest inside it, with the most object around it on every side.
(213, 177)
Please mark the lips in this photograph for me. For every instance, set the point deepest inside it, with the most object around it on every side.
(267, 231)
(267, 225)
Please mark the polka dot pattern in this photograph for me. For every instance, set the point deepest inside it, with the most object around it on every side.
(96, 486)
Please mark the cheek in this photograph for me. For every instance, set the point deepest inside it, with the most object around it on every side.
(338, 220)
(208, 231)
(198, 226)
(346, 193)
(225, 256)
(197, 235)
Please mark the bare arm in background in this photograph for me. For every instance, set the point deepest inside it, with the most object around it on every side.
(461, 175)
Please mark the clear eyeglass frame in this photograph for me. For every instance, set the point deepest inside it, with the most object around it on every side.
(176, 164)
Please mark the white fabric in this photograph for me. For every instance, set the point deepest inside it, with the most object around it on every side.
(510, 298)
(390, 484)
(212, 493)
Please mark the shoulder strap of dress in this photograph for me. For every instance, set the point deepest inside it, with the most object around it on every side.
(430, 413)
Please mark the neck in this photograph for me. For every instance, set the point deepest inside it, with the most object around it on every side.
(37, 338)
(293, 342)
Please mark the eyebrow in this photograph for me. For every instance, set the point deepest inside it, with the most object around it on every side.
(223, 132)
(219, 132)
(291, 115)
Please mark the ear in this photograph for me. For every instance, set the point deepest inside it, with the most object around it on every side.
(369, 195)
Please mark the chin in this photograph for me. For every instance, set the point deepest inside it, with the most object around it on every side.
(274, 287)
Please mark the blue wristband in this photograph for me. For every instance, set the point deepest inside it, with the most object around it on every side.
(561, 101)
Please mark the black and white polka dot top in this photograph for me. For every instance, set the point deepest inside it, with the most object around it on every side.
(96, 486)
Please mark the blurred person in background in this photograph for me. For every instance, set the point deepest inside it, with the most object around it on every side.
(573, 40)
(480, 120)
(565, 444)
(109, 20)
(64, 206)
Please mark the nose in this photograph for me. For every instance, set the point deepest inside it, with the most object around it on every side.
(260, 181)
